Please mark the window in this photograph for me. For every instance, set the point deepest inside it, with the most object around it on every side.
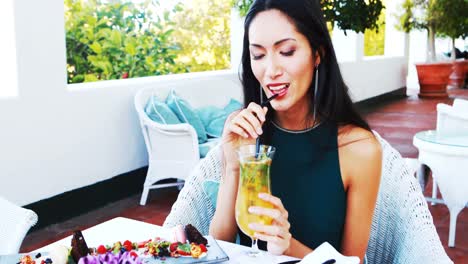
(117, 39)
(374, 41)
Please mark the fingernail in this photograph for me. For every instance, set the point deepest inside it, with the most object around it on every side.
(251, 209)
(259, 130)
(252, 226)
(262, 195)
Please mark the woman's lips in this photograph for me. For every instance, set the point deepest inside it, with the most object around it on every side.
(280, 89)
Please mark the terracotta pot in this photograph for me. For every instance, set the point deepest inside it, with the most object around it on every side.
(459, 70)
(433, 79)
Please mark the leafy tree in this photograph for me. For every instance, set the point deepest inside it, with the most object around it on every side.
(454, 14)
(355, 15)
(437, 17)
(203, 32)
(114, 39)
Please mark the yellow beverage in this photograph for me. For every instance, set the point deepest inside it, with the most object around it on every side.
(254, 179)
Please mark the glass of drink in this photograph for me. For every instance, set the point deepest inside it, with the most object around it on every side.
(254, 178)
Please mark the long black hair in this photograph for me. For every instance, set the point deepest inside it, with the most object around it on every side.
(333, 102)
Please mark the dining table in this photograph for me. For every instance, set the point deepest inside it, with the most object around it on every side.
(121, 229)
(447, 157)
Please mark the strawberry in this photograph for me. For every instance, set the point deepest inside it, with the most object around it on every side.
(203, 248)
(173, 246)
(101, 249)
(128, 245)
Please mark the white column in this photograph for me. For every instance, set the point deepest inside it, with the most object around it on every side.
(237, 35)
(41, 49)
(8, 67)
(345, 45)
(359, 46)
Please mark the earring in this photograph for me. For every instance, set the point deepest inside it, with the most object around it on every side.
(315, 90)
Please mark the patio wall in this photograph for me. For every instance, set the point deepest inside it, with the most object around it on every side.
(56, 137)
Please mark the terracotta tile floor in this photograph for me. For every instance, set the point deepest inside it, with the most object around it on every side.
(397, 120)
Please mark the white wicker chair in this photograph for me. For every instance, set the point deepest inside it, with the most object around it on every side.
(402, 226)
(164, 160)
(14, 224)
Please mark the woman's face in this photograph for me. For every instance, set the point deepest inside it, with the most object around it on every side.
(281, 60)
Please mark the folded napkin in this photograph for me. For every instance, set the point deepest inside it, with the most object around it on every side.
(326, 252)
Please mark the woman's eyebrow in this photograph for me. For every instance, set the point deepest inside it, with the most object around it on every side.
(275, 44)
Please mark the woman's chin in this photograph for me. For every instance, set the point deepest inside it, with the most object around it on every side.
(279, 106)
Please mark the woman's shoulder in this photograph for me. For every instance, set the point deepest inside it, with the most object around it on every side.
(360, 150)
(357, 139)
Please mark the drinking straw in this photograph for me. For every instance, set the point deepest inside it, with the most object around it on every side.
(257, 142)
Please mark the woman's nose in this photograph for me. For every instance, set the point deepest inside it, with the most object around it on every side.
(273, 69)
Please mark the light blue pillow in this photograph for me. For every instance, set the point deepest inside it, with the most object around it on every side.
(210, 187)
(216, 126)
(186, 114)
(232, 106)
(204, 148)
(213, 119)
(159, 112)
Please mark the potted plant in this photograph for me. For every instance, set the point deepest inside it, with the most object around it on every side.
(432, 16)
(455, 25)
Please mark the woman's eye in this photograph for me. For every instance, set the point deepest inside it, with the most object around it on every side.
(257, 57)
(288, 53)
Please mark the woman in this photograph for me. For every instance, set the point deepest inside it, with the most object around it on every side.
(327, 166)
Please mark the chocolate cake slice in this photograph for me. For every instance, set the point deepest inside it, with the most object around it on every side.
(79, 248)
(194, 236)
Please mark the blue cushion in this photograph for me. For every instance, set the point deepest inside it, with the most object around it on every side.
(216, 126)
(213, 119)
(186, 114)
(159, 112)
(210, 187)
(207, 146)
(232, 106)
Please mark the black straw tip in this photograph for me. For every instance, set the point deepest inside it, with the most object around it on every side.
(269, 99)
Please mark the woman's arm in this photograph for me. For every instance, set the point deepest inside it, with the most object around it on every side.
(223, 225)
(297, 249)
(361, 163)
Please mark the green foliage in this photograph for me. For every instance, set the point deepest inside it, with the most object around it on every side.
(438, 17)
(374, 40)
(416, 14)
(242, 6)
(355, 15)
(453, 17)
(203, 32)
(113, 40)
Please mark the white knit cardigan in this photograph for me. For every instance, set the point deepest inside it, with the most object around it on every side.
(402, 227)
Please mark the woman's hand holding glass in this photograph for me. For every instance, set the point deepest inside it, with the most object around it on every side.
(277, 234)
